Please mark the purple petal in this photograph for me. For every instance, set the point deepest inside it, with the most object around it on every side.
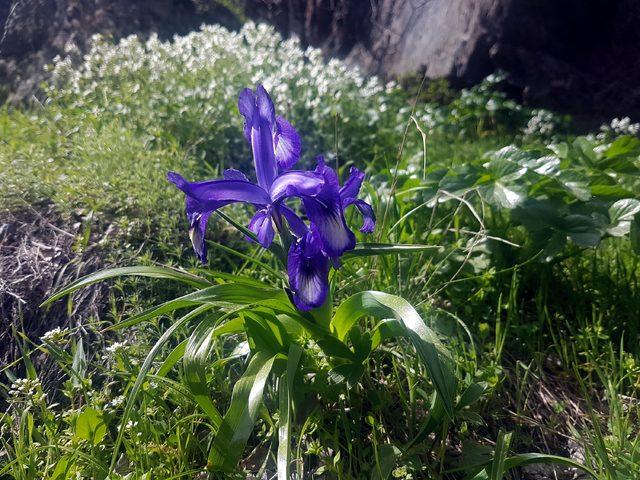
(266, 110)
(325, 211)
(247, 105)
(198, 214)
(263, 153)
(262, 226)
(197, 235)
(368, 217)
(221, 190)
(330, 225)
(296, 183)
(233, 174)
(297, 226)
(287, 144)
(308, 271)
(351, 188)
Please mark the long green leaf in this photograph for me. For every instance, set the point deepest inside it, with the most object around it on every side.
(285, 387)
(144, 369)
(226, 293)
(432, 352)
(194, 363)
(140, 271)
(497, 467)
(369, 249)
(533, 458)
(239, 420)
(232, 326)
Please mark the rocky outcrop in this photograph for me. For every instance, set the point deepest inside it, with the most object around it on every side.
(578, 56)
(575, 56)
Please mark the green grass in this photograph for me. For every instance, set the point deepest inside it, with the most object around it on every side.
(544, 334)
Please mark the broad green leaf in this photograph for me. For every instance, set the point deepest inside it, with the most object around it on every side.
(432, 352)
(584, 148)
(471, 395)
(385, 462)
(547, 165)
(90, 426)
(621, 214)
(505, 196)
(576, 183)
(238, 422)
(583, 230)
(622, 146)
(139, 271)
(63, 469)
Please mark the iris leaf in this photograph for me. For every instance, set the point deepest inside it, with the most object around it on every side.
(432, 352)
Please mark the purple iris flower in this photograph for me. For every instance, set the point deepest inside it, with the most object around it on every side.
(276, 147)
(327, 237)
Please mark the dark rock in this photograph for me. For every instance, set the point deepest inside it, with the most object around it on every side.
(577, 56)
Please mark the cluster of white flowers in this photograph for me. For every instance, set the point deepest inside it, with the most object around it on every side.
(56, 336)
(116, 347)
(26, 390)
(621, 126)
(542, 123)
(189, 86)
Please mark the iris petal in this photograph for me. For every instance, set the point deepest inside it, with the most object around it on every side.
(266, 110)
(351, 187)
(368, 217)
(287, 144)
(308, 272)
(329, 222)
(221, 190)
(262, 226)
(296, 183)
(297, 226)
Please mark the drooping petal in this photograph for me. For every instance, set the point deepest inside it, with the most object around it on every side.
(308, 271)
(325, 211)
(287, 144)
(221, 190)
(368, 217)
(198, 214)
(297, 226)
(351, 187)
(262, 226)
(296, 183)
(328, 220)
